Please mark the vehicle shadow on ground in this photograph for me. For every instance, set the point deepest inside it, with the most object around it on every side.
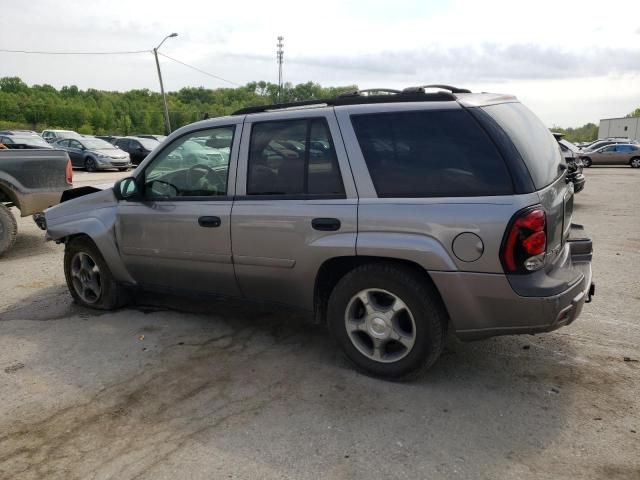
(267, 391)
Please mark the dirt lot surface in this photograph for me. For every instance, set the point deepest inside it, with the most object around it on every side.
(177, 388)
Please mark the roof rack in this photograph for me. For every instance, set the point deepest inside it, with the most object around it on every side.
(416, 94)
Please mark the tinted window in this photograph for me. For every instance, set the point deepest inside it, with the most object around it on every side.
(294, 157)
(624, 148)
(123, 144)
(74, 144)
(430, 153)
(191, 166)
(534, 141)
(63, 143)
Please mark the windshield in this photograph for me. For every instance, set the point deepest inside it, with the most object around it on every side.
(96, 144)
(148, 143)
(30, 140)
(569, 145)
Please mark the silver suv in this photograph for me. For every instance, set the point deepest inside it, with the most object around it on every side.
(393, 218)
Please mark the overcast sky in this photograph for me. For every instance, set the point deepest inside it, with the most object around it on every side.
(571, 62)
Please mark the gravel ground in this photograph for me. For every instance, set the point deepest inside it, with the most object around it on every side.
(179, 388)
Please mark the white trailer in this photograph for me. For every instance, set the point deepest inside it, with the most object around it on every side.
(620, 127)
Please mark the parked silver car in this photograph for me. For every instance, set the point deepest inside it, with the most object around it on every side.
(393, 218)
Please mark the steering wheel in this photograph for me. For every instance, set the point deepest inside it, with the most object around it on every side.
(208, 169)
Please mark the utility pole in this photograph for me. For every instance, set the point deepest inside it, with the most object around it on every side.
(280, 60)
(167, 123)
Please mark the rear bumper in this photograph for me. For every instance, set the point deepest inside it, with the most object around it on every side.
(482, 305)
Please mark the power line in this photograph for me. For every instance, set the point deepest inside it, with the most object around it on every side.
(43, 52)
(199, 70)
(132, 52)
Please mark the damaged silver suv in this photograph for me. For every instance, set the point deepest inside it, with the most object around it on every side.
(394, 218)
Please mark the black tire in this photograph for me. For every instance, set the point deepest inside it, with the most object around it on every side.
(635, 162)
(8, 229)
(423, 302)
(111, 295)
(90, 164)
(586, 162)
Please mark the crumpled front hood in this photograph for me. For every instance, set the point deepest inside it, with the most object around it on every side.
(81, 206)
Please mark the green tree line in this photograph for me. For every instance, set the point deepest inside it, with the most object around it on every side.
(92, 111)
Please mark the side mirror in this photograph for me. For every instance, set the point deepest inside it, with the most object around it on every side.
(127, 189)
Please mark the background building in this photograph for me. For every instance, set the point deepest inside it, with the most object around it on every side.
(620, 127)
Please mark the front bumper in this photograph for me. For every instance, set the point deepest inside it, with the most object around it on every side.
(105, 164)
(482, 305)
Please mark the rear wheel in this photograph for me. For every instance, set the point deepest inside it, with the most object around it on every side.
(8, 229)
(388, 320)
(88, 277)
(635, 162)
(586, 162)
(90, 164)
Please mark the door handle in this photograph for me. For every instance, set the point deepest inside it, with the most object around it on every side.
(209, 222)
(326, 224)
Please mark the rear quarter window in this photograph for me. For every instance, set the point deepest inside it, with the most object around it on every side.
(535, 143)
(437, 153)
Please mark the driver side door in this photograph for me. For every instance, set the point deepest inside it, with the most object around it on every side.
(177, 234)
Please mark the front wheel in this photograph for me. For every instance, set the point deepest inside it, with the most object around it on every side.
(586, 162)
(388, 320)
(8, 229)
(88, 277)
(635, 162)
(90, 164)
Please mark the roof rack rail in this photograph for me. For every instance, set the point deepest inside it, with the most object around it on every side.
(356, 99)
(384, 91)
(450, 88)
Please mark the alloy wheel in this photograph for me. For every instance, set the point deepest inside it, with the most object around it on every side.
(86, 277)
(380, 325)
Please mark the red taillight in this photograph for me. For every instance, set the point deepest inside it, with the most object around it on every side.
(525, 244)
(69, 173)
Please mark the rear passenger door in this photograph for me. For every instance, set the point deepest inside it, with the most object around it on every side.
(295, 205)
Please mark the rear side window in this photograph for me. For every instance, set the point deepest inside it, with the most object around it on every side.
(293, 157)
(534, 141)
(430, 153)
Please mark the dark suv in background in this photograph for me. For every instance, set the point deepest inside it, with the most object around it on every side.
(138, 148)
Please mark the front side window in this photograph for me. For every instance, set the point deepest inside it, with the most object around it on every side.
(430, 153)
(624, 148)
(75, 144)
(293, 157)
(194, 165)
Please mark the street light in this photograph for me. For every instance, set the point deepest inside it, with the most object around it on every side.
(167, 123)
